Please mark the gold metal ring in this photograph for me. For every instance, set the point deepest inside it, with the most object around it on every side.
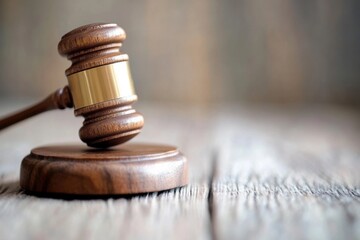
(101, 84)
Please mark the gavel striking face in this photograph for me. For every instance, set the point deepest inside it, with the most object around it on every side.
(100, 86)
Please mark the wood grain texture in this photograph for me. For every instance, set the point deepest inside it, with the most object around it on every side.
(128, 169)
(171, 214)
(287, 175)
(255, 172)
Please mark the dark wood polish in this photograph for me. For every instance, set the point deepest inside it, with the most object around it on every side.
(127, 169)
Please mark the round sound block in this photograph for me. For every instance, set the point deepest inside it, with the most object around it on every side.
(127, 169)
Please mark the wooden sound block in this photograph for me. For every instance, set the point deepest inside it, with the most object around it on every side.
(126, 169)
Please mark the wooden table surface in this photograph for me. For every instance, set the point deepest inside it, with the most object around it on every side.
(256, 172)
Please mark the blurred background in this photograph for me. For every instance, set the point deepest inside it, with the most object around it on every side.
(196, 52)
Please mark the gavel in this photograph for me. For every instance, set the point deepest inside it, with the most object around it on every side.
(100, 87)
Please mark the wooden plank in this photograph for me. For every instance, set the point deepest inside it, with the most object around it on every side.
(277, 174)
(290, 174)
(176, 214)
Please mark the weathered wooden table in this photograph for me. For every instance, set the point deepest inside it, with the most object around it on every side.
(255, 173)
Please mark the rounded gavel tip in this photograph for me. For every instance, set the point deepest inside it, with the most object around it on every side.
(109, 140)
(110, 130)
(92, 36)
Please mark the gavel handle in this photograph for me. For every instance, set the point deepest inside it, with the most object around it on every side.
(60, 99)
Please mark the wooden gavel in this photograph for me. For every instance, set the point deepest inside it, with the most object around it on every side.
(100, 87)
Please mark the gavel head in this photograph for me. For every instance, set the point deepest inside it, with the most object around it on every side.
(100, 83)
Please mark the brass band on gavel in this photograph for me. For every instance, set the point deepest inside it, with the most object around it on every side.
(101, 84)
